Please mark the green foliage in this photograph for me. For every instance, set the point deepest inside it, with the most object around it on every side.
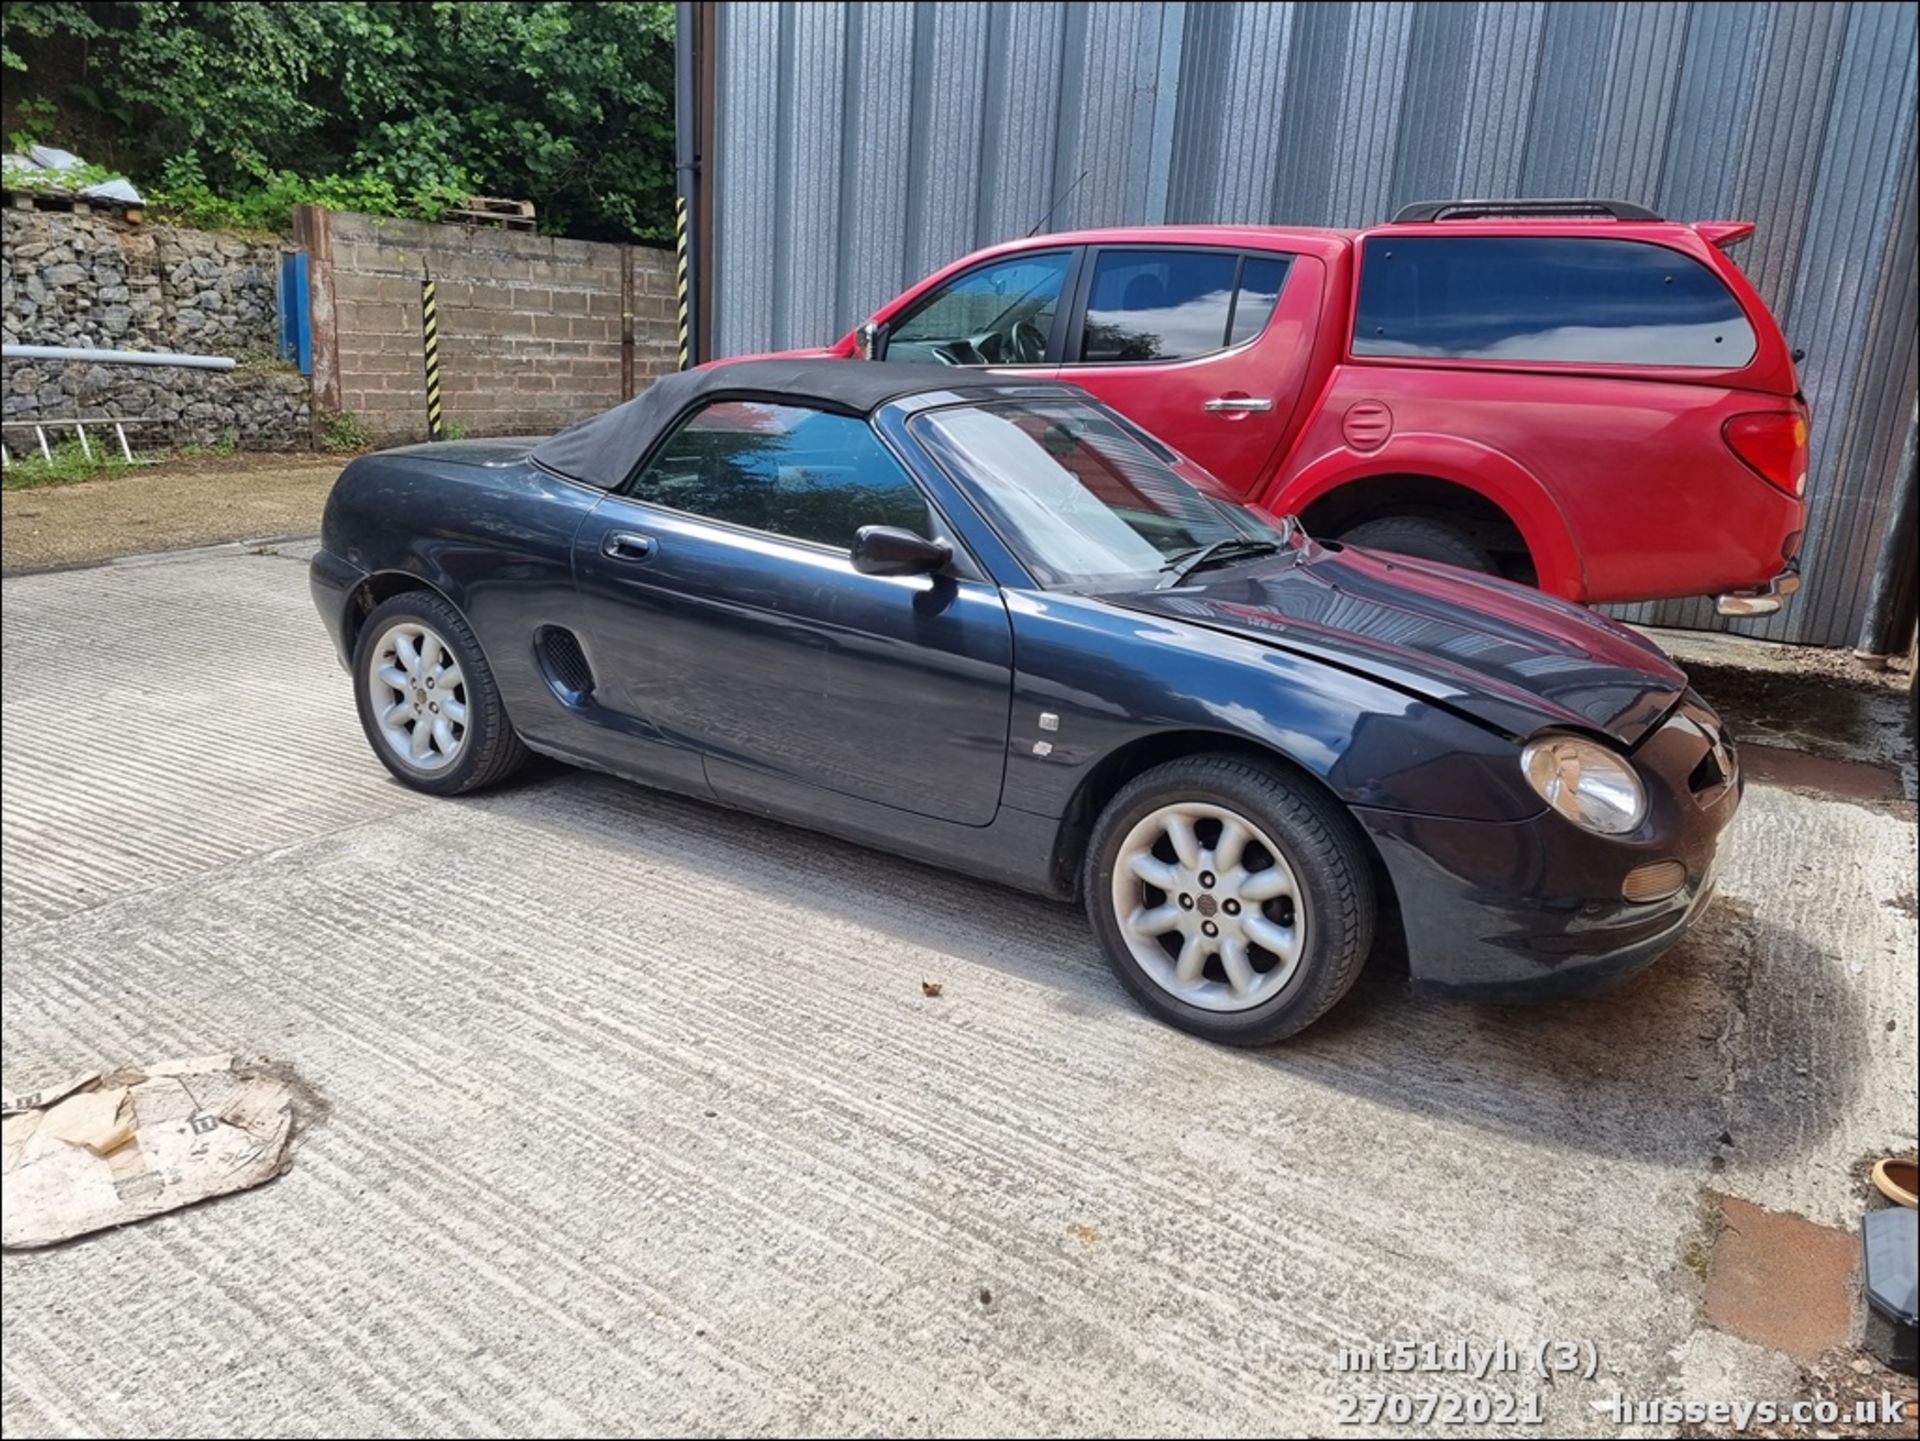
(193, 202)
(228, 113)
(227, 444)
(69, 464)
(36, 116)
(454, 431)
(341, 430)
(73, 177)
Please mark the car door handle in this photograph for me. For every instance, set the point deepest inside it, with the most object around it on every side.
(1238, 402)
(627, 545)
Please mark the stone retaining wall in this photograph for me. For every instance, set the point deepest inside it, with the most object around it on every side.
(98, 282)
(535, 332)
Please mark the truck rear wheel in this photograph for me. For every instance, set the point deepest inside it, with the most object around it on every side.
(1423, 538)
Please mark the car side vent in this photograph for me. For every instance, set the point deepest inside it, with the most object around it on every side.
(565, 663)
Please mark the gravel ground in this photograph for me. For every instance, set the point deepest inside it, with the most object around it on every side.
(174, 504)
(642, 1119)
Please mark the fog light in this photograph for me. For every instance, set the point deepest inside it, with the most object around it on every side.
(1654, 881)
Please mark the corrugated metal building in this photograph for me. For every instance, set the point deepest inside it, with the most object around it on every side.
(848, 149)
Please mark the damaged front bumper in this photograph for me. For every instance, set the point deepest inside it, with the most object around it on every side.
(1538, 908)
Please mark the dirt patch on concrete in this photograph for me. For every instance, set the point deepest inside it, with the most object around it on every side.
(1847, 780)
(1781, 1281)
(169, 506)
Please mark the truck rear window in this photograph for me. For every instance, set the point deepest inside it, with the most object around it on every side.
(1495, 297)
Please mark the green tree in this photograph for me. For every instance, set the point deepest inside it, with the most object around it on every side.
(236, 110)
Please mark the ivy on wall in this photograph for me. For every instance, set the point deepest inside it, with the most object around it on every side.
(230, 113)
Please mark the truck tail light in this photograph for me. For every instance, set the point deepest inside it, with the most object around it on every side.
(1773, 445)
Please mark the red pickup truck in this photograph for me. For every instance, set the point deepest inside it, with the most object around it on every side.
(1575, 394)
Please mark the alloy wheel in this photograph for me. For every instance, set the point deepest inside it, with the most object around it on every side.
(1209, 907)
(418, 696)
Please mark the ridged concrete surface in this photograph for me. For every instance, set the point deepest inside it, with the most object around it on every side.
(641, 1122)
(166, 718)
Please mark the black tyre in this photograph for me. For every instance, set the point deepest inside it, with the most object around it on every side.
(1424, 538)
(1233, 898)
(427, 698)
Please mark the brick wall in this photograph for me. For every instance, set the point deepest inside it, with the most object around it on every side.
(535, 332)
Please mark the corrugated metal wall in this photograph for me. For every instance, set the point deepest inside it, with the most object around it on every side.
(860, 146)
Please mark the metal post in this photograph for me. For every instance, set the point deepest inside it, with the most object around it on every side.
(686, 166)
(125, 449)
(80, 430)
(680, 279)
(46, 451)
(430, 345)
(1884, 628)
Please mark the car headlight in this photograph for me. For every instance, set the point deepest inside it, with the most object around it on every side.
(1591, 786)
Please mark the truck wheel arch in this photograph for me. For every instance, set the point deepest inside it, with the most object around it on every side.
(1493, 476)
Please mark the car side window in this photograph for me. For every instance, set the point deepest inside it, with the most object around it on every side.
(807, 474)
(995, 314)
(1146, 305)
(1515, 297)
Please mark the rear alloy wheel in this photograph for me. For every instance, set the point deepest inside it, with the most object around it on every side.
(427, 699)
(1424, 539)
(1232, 899)
(419, 696)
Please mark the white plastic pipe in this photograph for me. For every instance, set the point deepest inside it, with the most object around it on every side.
(117, 357)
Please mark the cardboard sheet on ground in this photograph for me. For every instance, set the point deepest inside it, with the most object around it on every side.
(100, 1151)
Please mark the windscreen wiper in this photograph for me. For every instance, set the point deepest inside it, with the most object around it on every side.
(1230, 547)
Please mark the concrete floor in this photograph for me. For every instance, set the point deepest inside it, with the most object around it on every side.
(640, 1120)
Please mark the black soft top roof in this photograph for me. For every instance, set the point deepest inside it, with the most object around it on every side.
(604, 450)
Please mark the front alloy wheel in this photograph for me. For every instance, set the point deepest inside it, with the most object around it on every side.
(1209, 906)
(1233, 896)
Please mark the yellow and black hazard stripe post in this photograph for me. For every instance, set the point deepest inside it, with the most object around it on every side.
(430, 346)
(680, 277)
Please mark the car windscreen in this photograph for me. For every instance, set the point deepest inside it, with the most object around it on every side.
(1545, 298)
(1080, 497)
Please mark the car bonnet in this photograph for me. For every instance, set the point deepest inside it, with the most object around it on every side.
(1511, 658)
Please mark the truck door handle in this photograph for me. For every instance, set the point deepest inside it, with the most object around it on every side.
(1238, 402)
(627, 545)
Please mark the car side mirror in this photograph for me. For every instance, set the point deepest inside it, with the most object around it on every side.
(866, 341)
(889, 550)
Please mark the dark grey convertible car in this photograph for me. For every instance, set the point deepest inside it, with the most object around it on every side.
(986, 622)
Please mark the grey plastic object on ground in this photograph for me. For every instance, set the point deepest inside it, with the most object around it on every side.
(1887, 1241)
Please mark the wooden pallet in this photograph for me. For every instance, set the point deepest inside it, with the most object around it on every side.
(76, 204)
(491, 210)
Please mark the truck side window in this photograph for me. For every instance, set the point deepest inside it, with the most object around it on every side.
(1517, 297)
(1146, 305)
(1158, 304)
(995, 314)
(1260, 281)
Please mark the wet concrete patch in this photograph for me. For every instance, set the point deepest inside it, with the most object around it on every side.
(1819, 714)
(1781, 1281)
(1844, 779)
